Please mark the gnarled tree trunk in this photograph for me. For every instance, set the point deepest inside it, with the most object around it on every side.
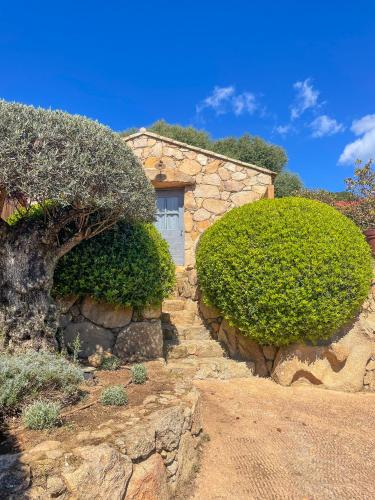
(28, 315)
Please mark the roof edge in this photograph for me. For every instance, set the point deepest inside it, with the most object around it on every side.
(206, 152)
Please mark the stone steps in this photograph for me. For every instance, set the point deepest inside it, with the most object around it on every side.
(189, 348)
(185, 332)
(203, 368)
(196, 348)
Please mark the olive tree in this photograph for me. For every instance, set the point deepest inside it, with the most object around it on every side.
(70, 179)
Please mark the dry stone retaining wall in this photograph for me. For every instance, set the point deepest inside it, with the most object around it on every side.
(105, 329)
(151, 452)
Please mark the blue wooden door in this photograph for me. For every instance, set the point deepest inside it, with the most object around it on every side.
(170, 221)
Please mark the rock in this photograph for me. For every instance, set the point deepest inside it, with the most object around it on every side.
(244, 197)
(369, 379)
(240, 347)
(92, 337)
(370, 365)
(212, 167)
(212, 179)
(168, 427)
(215, 206)
(55, 486)
(139, 442)
(190, 167)
(224, 173)
(201, 214)
(103, 474)
(269, 352)
(149, 481)
(140, 341)
(208, 312)
(96, 359)
(340, 365)
(207, 191)
(106, 315)
(15, 476)
(151, 312)
(188, 460)
(233, 186)
(65, 303)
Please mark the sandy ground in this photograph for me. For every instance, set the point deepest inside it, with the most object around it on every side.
(273, 442)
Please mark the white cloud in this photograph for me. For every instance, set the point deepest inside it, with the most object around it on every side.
(364, 147)
(217, 99)
(306, 98)
(284, 130)
(323, 125)
(245, 102)
(226, 100)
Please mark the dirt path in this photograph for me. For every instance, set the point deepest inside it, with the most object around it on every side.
(273, 442)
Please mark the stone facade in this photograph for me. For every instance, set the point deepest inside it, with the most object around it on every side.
(212, 183)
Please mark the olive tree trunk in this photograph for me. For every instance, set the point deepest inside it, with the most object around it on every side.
(28, 315)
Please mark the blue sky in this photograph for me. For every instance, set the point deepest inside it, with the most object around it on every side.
(299, 74)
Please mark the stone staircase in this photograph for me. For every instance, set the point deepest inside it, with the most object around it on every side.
(189, 346)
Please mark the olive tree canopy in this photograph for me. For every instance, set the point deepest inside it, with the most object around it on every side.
(82, 178)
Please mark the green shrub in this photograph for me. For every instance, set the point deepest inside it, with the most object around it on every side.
(128, 265)
(284, 270)
(139, 374)
(41, 415)
(111, 364)
(25, 377)
(114, 395)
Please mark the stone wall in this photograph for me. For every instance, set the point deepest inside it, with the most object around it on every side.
(346, 362)
(104, 329)
(213, 184)
(147, 452)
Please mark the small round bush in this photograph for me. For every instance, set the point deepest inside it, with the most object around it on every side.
(111, 363)
(41, 415)
(285, 270)
(128, 265)
(114, 395)
(139, 374)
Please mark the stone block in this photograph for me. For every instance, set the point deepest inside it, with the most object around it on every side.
(93, 338)
(140, 341)
(149, 481)
(106, 315)
(190, 167)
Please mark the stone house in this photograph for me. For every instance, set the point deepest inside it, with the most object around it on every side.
(194, 187)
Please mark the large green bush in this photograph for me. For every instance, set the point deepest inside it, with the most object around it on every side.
(285, 270)
(128, 265)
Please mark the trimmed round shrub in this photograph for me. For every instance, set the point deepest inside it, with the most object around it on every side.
(114, 395)
(41, 415)
(284, 270)
(128, 265)
(139, 373)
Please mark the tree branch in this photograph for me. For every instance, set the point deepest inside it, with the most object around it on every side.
(68, 245)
